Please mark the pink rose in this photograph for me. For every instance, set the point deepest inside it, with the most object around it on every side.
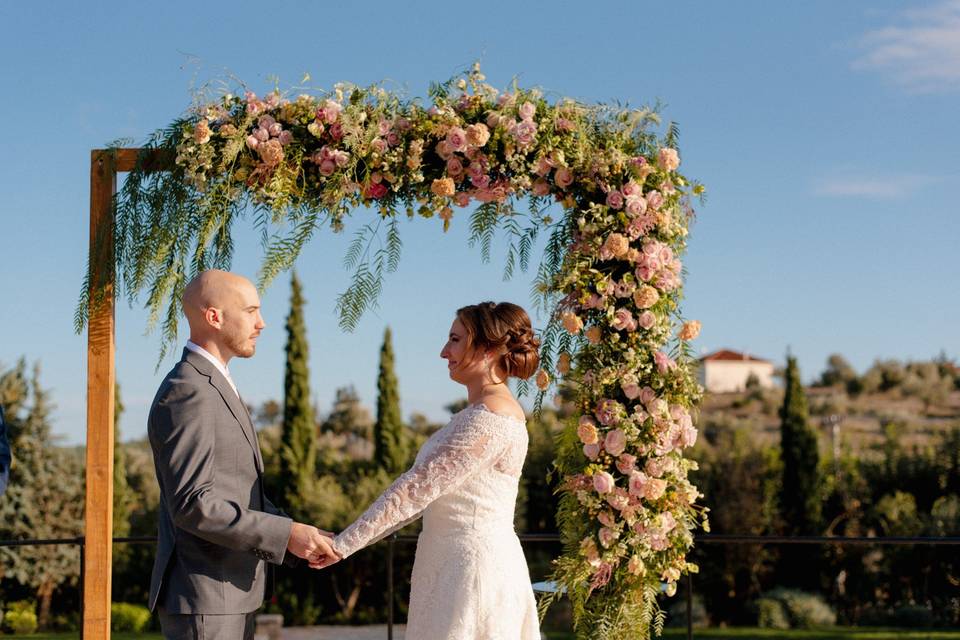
(261, 134)
(392, 138)
(615, 199)
(544, 167)
(623, 320)
(265, 122)
(606, 519)
(457, 139)
(376, 190)
(591, 451)
(527, 110)
(275, 129)
(379, 145)
(336, 131)
(327, 167)
(603, 482)
(541, 187)
(631, 390)
(454, 167)
(663, 361)
(636, 205)
(462, 199)
(631, 188)
(563, 177)
(615, 442)
(626, 464)
(607, 536)
(341, 158)
(252, 141)
(644, 273)
(654, 200)
(646, 319)
(285, 137)
(637, 482)
(669, 159)
(331, 110)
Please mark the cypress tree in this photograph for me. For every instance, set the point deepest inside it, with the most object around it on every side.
(389, 439)
(799, 566)
(800, 492)
(298, 446)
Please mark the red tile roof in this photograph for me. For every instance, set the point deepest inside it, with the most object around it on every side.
(728, 355)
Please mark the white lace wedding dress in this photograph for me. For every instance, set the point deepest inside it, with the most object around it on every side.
(470, 579)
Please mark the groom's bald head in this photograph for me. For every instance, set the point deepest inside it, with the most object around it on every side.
(223, 308)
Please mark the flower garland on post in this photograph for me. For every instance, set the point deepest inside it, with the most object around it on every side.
(611, 275)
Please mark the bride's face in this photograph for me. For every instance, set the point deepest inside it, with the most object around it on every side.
(462, 365)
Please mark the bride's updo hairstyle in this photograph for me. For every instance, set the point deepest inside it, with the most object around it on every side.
(503, 328)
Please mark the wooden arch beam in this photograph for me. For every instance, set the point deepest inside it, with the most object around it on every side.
(101, 378)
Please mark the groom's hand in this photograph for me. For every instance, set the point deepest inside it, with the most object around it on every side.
(308, 542)
(325, 558)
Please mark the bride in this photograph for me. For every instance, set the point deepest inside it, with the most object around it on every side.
(470, 579)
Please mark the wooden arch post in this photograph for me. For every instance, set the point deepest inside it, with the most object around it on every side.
(101, 378)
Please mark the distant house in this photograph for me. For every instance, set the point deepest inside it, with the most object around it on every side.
(725, 370)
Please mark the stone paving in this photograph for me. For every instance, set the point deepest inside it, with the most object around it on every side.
(369, 632)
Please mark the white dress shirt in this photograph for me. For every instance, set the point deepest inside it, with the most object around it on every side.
(222, 368)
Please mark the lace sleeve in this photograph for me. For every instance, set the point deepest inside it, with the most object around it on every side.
(471, 444)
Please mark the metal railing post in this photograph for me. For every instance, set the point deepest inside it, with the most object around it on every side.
(390, 546)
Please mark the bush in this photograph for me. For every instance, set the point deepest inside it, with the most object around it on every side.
(677, 613)
(21, 617)
(771, 614)
(913, 616)
(804, 610)
(129, 617)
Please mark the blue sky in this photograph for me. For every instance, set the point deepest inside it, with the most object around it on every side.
(825, 132)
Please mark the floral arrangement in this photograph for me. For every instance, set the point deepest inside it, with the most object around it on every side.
(611, 274)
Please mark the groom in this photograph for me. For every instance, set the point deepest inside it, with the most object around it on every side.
(217, 528)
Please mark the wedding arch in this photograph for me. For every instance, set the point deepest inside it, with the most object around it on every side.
(609, 281)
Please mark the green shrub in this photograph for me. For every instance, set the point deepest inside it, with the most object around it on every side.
(677, 613)
(21, 617)
(804, 610)
(771, 614)
(129, 617)
(913, 616)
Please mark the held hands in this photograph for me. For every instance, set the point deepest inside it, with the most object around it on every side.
(313, 545)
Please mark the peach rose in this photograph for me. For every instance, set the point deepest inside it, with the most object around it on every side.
(587, 431)
(593, 335)
(571, 322)
(646, 296)
(563, 363)
(543, 380)
(690, 330)
(615, 246)
(443, 187)
(478, 134)
(201, 134)
(271, 152)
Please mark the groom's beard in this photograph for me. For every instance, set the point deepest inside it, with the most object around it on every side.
(242, 347)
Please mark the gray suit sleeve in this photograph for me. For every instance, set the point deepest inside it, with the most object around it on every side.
(183, 443)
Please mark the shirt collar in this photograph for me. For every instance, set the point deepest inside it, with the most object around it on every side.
(215, 361)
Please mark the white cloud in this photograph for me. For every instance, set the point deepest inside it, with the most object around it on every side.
(921, 52)
(878, 187)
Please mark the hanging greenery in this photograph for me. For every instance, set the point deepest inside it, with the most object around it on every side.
(609, 279)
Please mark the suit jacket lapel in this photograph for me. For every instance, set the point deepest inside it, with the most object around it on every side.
(236, 406)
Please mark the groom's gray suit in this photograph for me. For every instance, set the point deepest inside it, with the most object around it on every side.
(216, 525)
